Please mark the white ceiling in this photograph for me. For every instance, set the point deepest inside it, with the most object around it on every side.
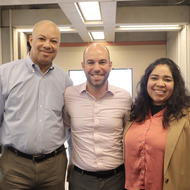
(63, 12)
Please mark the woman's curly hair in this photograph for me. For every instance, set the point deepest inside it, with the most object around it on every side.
(174, 105)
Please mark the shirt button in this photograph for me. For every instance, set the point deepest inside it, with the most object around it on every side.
(96, 121)
(166, 180)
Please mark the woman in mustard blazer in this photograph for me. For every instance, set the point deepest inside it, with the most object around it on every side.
(157, 140)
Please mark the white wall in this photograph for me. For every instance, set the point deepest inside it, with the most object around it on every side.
(0, 48)
(182, 52)
(23, 47)
(0, 42)
(137, 57)
(16, 49)
(19, 45)
(178, 48)
(172, 45)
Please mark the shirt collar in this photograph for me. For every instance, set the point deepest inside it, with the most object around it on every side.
(111, 89)
(32, 65)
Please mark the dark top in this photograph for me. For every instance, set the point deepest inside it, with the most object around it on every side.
(156, 108)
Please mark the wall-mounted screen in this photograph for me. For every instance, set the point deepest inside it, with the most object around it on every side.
(118, 77)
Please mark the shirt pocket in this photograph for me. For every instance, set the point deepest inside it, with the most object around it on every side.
(54, 103)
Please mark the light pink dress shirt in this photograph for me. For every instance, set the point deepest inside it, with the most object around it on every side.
(97, 127)
(144, 154)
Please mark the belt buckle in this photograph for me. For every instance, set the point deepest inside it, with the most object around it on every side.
(38, 158)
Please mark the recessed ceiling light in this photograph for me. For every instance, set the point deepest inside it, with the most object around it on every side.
(97, 35)
(66, 29)
(90, 11)
(158, 27)
(29, 30)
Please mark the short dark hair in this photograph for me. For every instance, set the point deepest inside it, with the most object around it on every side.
(174, 105)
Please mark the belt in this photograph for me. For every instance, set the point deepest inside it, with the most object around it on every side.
(101, 174)
(36, 157)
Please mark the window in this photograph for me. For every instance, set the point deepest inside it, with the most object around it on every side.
(118, 77)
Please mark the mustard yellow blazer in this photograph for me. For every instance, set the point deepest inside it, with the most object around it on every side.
(177, 154)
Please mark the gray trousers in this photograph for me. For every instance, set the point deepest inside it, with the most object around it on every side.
(80, 181)
(19, 173)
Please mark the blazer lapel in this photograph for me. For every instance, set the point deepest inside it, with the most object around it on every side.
(174, 132)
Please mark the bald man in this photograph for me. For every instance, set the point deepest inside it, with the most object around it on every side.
(31, 122)
(98, 112)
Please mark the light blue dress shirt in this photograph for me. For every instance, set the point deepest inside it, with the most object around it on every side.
(31, 106)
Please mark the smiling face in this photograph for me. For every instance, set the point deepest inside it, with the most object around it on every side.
(97, 66)
(160, 84)
(44, 43)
